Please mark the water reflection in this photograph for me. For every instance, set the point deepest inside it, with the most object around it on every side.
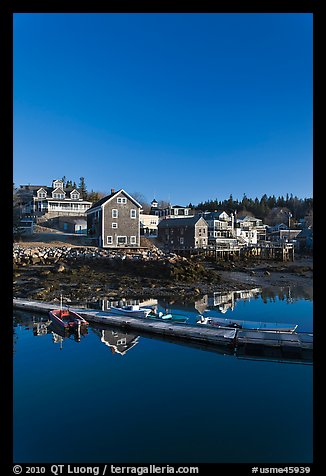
(117, 341)
(120, 342)
(222, 302)
(42, 326)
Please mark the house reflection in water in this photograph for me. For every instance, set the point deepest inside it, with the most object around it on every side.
(105, 304)
(118, 342)
(225, 301)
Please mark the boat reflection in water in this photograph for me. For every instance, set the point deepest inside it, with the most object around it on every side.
(244, 345)
(43, 327)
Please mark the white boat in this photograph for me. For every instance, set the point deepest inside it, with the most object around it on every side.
(130, 310)
(248, 325)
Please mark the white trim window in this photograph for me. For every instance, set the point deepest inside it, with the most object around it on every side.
(122, 341)
(133, 240)
(182, 241)
(109, 240)
(121, 240)
(57, 184)
(121, 200)
(133, 213)
(114, 225)
(114, 213)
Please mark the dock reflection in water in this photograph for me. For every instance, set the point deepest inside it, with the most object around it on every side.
(162, 390)
(120, 342)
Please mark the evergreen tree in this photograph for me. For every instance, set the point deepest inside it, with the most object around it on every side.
(82, 188)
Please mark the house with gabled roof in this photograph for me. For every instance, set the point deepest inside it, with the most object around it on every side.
(113, 221)
(55, 201)
(170, 211)
(183, 233)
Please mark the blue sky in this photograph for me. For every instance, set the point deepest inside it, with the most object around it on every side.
(183, 107)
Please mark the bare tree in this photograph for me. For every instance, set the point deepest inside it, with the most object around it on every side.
(163, 203)
(140, 198)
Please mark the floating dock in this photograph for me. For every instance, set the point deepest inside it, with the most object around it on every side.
(232, 338)
(176, 330)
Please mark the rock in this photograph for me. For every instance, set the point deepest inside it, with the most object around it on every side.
(61, 268)
(46, 272)
(267, 273)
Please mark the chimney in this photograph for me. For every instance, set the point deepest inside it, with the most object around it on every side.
(112, 190)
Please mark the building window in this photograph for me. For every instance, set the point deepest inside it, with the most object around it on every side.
(121, 240)
(186, 211)
(122, 341)
(133, 213)
(121, 200)
(132, 240)
(114, 225)
(114, 213)
(109, 240)
(74, 196)
(182, 241)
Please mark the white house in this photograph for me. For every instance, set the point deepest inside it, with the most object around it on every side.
(53, 201)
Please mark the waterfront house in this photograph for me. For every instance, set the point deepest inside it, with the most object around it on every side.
(183, 233)
(250, 229)
(148, 224)
(286, 235)
(170, 211)
(50, 202)
(113, 221)
(219, 225)
(305, 239)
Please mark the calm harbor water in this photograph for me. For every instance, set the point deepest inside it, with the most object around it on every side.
(117, 397)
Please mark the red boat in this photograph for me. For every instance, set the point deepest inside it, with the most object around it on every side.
(67, 318)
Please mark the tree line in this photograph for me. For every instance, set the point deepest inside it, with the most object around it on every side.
(91, 196)
(270, 209)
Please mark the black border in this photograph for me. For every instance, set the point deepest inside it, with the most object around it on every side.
(8, 8)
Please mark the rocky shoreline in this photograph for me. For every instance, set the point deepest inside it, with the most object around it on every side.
(86, 274)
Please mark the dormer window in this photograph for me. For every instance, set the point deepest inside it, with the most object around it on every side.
(41, 193)
(58, 193)
(74, 195)
(57, 184)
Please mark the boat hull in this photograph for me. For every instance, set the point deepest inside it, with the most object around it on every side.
(129, 312)
(67, 319)
(248, 325)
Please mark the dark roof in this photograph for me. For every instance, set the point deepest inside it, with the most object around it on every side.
(213, 215)
(101, 201)
(177, 222)
(35, 188)
(105, 199)
(306, 233)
